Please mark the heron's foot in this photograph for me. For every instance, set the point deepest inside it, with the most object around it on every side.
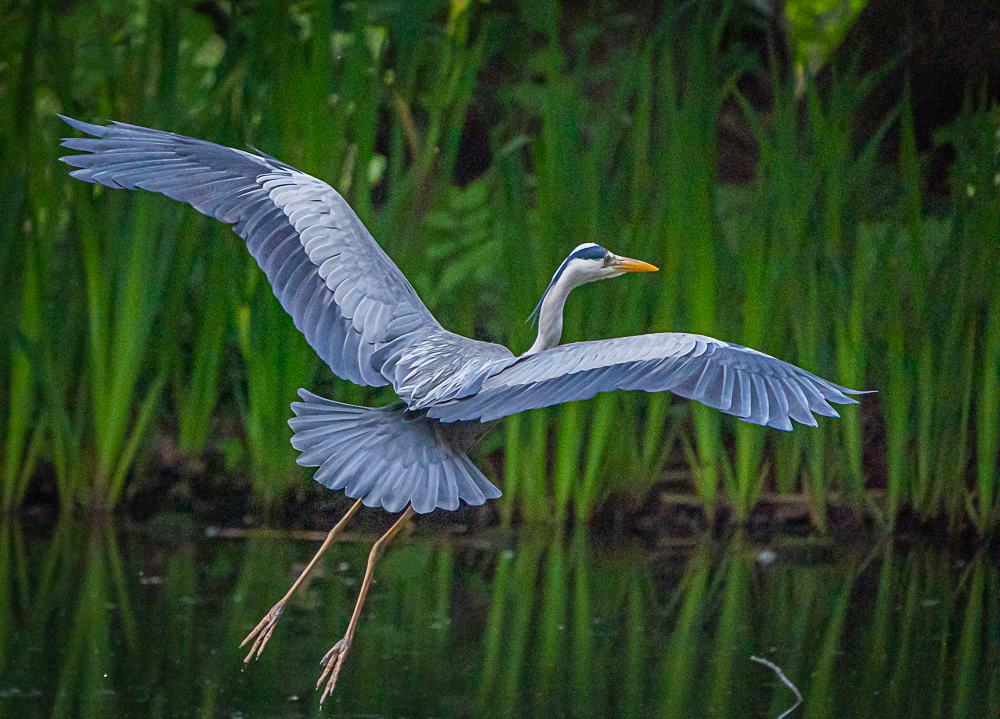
(263, 632)
(331, 664)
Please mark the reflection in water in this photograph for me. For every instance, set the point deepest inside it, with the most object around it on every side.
(102, 623)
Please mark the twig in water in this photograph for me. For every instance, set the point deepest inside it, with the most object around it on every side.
(784, 680)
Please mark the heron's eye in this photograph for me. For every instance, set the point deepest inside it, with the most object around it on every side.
(608, 259)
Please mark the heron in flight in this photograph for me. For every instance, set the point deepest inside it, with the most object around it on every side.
(364, 319)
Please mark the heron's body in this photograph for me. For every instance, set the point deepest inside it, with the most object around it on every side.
(364, 319)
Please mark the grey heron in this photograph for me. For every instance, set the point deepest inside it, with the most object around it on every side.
(365, 320)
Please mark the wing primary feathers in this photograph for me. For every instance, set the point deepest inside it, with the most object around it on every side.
(276, 209)
(751, 385)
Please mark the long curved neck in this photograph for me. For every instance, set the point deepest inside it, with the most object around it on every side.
(550, 316)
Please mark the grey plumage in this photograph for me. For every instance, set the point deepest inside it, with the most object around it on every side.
(341, 289)
(364, 319)
(391, 456)
(734, 379)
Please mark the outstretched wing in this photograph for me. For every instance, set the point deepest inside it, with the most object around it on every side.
(737, 380)
(343, 292)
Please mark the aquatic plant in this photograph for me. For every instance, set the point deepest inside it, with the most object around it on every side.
(125, 315)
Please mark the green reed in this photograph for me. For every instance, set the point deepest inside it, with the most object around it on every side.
(24, 433)
(125, 272)
(988, 415)
(196, 373)
(278, 361)
(12, 587)
(20, 416)
(689, 111)
(935, 337)
(771, 243)
(128, 314)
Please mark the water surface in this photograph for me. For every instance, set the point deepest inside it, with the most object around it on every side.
(104, 621)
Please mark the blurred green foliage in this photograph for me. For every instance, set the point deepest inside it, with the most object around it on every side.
(127, 317)
(816, 27)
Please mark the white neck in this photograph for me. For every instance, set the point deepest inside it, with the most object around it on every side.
(550, 316)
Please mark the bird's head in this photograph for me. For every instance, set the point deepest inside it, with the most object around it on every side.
(589, 262)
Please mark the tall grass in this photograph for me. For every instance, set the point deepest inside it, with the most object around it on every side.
(196, 373)
(123, 301)
(24, 425)
(128, 314)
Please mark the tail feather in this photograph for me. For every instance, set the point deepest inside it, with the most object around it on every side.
(482, 484)
(386, 455)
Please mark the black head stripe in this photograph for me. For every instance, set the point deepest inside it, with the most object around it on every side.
(593, 252)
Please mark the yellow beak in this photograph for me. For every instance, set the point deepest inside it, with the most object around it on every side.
(629, 265)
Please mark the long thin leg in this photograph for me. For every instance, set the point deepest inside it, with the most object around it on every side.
(334, 658)
(265, 628)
